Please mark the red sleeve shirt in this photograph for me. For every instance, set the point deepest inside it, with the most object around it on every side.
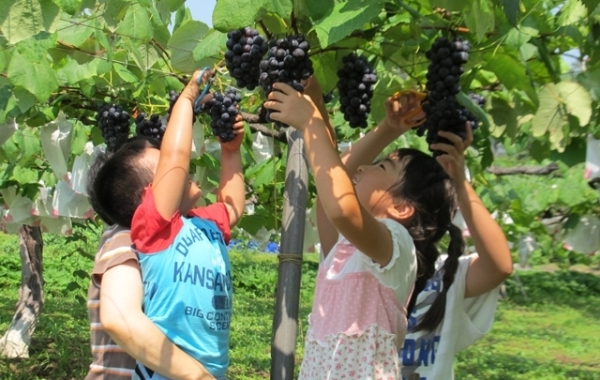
(152, 233)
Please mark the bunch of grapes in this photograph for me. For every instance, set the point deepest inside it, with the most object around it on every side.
(480, 101)
(151, 127)
(286, 62)
(114, 124)
(245, 51)
(355, 86)
(443, 75)
(173, 96)
(223, 110)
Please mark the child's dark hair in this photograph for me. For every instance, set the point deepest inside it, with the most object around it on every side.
(429, 189)
(116, 180)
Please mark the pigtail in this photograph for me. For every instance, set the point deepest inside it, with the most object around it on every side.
(433, 317)
(427, 255)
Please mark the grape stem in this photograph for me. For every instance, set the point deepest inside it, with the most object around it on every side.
(268, 34)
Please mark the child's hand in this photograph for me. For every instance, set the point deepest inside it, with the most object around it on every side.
(238, 130)
(192, 90)
(291, 107)
(453, 161)
(397, 108)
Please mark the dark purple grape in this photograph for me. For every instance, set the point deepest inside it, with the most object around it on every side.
(245, 49)
(114, 125)
(355, 86)
(287, 62)
(443, 83)
(150, 127)
(223, 111)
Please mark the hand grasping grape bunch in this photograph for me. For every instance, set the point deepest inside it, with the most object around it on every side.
(286, 62)
(150, 127)
(223, 111)
(443, 75)
(355, 86)
(245, 51)
(114, 124)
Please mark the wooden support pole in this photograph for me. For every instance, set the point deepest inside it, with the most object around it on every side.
(285, 321)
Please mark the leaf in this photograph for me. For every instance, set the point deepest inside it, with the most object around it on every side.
(509, 71)
(344, 19)
(479, 19)
(145, 55)
(74, 31)
(103, 40)
(234, 14)
(24, 175)
(450, 5)
(26, 18)
(517, 37)
(174, 4)
(317, 9)
(590, 79)
(25, 99)
(591, 5)
(36, 76)
(282, 8)
(571, 13)
(136, 24)
(210, 49)
(124, 74)
(74, 72)
(183, 42)
(504, 117)
(557, 102)
(511, 10)
(114, 11)
(79, 138)
(325, 67)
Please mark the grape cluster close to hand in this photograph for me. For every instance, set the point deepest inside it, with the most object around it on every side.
(355, 85)
(150, 127)
(114, 124)
(443, 111)
(223, 110)
(245, 51)
(287, 62)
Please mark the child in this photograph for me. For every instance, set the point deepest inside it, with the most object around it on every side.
(471, 301)
(181, 249)
(389, 215)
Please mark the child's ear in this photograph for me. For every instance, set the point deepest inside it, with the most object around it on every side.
(401, 211)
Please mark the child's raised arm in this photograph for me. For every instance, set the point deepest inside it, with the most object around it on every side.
(231, 189)
(171, 177)
(365, 150)
(494, 261)
(334, 185)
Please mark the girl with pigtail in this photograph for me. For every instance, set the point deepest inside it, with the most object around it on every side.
(379, 224)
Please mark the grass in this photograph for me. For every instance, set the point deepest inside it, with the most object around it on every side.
(554, 334)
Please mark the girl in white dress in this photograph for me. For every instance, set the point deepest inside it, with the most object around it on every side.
(385, 221)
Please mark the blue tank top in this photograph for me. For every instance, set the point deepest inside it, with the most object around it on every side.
(188, 293)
